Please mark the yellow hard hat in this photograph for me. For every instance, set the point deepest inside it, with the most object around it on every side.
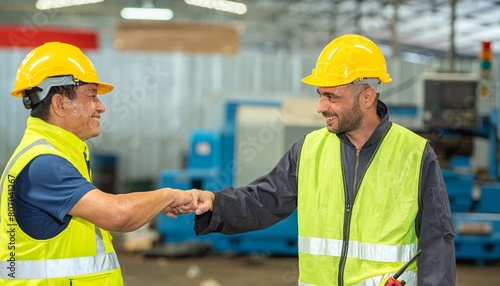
(346, 59)
(56, 59)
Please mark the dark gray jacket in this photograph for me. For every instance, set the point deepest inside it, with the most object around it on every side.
(273, 197)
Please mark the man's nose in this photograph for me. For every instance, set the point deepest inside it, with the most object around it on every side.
(100, 107)
(322, 105)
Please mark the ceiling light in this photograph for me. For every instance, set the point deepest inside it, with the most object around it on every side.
(146, 13)
(50, 4)
(221, 5)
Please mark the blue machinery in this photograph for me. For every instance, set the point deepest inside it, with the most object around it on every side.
(452, 114)
(210, 167)
(475, 204)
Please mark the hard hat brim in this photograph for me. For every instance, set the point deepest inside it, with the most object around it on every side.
(311, 80)
(315, 81)
(103, 88)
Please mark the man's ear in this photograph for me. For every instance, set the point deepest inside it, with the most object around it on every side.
(369, 98)
(57, 104)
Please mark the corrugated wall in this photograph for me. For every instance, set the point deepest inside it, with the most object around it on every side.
(159, 98)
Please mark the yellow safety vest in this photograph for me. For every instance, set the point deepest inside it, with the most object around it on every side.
(373, 238)
(82, 254)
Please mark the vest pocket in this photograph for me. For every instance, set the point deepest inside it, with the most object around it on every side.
(92, 280)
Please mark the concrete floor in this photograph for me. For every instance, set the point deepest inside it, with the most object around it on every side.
(243, 270)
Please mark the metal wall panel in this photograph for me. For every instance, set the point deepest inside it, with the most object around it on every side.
(160, 97)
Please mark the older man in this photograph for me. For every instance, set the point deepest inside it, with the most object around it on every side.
(54, 222)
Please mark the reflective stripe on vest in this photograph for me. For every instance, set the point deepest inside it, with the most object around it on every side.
(58, 268)
(364, 251)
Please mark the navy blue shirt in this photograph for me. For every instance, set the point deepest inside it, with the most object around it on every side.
(45, 191)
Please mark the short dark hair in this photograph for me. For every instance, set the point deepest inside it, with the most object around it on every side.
(42, 109)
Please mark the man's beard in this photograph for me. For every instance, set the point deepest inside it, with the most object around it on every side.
(349, 121)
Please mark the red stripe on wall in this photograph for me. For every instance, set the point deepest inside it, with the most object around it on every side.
(15, 36)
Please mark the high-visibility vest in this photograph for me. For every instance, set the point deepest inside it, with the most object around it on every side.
(372, 239)
(82, 254)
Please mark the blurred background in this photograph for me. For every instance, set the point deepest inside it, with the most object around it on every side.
(208, 94)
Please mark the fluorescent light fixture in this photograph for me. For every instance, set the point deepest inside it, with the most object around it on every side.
(221, 5)
(51, 4)
(146, 13)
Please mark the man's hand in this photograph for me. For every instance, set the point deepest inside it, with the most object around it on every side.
(204, 201)
(183, 203)
(191, 201)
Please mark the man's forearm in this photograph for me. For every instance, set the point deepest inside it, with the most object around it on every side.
(127, 212)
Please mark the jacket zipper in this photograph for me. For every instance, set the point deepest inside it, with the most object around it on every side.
(347, 222)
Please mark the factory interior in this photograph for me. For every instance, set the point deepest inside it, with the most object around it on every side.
(211, 96)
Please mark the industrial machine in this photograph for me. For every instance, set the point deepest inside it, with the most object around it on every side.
(462, 132)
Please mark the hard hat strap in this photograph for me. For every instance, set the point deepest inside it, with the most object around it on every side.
(30, 97)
